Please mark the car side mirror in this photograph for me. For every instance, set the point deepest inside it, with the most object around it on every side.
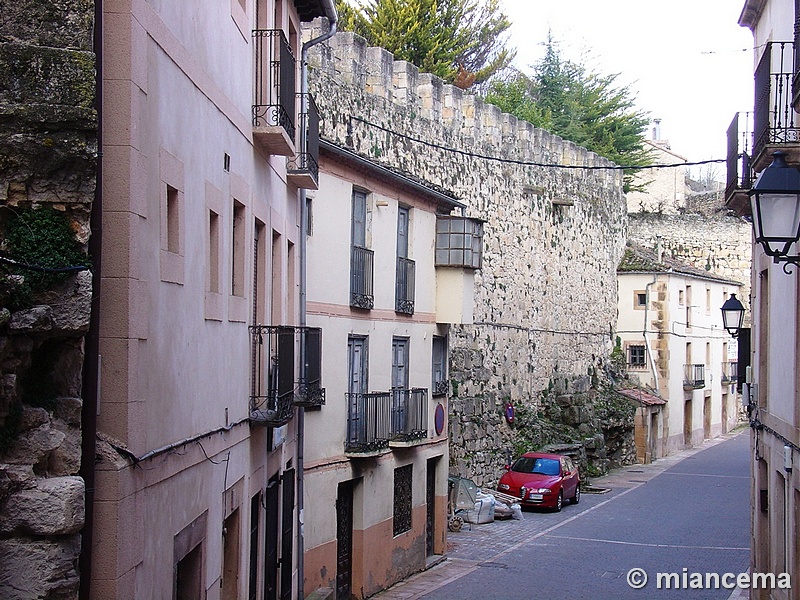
(507, 467)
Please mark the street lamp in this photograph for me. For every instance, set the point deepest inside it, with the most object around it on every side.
(732, 315)
(775, 204)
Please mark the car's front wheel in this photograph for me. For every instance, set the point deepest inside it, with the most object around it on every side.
(560, 501)
(577, 497)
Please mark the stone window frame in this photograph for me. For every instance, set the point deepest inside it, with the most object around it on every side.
(239, 261)
(186, 541)
(172, 218)
(629, 356)
(239, 10)
(637, 294)
(215, 299)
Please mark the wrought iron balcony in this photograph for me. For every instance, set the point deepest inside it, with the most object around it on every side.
(774, 121)
(367, 423)
(303, 169)
(404, 286)
(694, 377)
(409, 422)
(730, 372)
(739, 169)
(274, 104)
(361, 270)
(310, 392)
(753, 137)
(277, 386)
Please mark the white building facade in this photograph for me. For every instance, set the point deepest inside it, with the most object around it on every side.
(670, 329)
(389, 269)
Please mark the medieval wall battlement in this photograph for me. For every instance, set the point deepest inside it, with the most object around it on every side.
(546, 297)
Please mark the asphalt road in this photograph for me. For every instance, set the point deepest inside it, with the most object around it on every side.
(690, 514)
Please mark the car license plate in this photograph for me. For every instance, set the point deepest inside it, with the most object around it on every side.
(536, 496)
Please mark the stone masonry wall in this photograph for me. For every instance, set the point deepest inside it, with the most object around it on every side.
(48, 150)
(545, 300)
(705, 236)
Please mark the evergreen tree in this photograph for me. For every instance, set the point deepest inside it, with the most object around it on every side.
(458, 40)
(587, 108)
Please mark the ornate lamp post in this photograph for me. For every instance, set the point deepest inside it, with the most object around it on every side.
(775, 204)
(732, 315)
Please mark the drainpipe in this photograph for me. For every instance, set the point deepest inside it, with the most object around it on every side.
(646, 339)
(330, 13)
(90, 391)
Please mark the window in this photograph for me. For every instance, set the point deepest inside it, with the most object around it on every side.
(361, 258)
(402, 499)
(680, 298)
(439, 366)
(404, 283)
(357, 365)
(230, 557)
(213, 252)
(688, 307)
(171, 213)
(188, 575)
(188, 559)
(400, 366)
(173, 221)
(636, 356)
(639, 300)
(237, 249)
(459, 242)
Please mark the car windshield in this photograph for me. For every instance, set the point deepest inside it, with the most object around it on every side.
(541, 466)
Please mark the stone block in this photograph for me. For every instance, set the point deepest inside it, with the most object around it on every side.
(32, 320)
(71, 312)
(31, 447)
(33, 569)
(56, 23)
(69, 410)
(44, 75)
(54, 506)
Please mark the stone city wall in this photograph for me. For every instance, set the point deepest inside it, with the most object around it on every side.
(705, 236)
(48, 149)
(545, 300)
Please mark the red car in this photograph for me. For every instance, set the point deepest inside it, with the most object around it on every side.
(545, 480)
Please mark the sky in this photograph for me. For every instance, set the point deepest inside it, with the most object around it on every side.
(688, 62)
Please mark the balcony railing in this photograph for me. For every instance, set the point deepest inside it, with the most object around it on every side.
(774, 120)
(694, 377)
(361, 269)
(404, 287)
(276, 385)
(303, 168)
(730, 372)
(367, 422)
(739, 170)
(409, 422)
(274, 103)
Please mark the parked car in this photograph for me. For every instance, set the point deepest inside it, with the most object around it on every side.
(540, 479)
